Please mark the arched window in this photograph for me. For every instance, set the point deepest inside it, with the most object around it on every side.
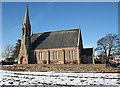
(41, 56)
(71, 54)
(55, 54)
(22, 31)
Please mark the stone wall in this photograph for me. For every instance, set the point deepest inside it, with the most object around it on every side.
(63, 56)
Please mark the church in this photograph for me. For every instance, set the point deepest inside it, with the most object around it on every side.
(54, 47)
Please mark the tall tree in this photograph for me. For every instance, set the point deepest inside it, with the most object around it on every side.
(107, 45)
(16, 50)
(118, 43)
(8, 51)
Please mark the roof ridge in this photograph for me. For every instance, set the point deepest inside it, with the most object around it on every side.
(74, 29)
(67, 30)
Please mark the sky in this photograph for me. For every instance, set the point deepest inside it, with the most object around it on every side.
(119, 24)
(0, 29)
(95, 19)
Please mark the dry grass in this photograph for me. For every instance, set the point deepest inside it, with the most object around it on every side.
(63, 67)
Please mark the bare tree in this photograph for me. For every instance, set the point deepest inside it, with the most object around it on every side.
(107, 45)
(118, 44)
(8, 51)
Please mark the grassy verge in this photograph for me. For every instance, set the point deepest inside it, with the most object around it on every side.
(63, 68)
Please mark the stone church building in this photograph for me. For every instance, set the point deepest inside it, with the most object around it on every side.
(56, 47)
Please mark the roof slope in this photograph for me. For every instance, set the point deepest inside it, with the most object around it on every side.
(55, 39)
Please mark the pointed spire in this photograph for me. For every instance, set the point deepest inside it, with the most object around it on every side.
(26, 18)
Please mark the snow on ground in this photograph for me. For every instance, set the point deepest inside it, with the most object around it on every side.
(55, 78)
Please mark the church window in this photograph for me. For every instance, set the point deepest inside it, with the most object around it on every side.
(22, 31)
(72, 54)
(55, 53)
(41, 56)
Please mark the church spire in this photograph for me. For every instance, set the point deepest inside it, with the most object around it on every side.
(26, 18)
(26, 28)
(26, 53)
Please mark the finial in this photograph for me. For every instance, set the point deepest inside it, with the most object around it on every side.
(27, 4)
(26, 18)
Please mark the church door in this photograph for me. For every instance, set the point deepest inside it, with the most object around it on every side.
(23, 60)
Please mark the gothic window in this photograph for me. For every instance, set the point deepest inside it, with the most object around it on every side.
(55, 54)
(22, 31)
(41, 56)
(72, 54)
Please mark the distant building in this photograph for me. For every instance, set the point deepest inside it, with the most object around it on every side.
(115, 59)
(56, 47)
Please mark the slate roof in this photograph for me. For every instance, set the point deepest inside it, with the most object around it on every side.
(55, 39)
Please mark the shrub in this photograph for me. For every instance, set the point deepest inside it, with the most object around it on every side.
(71, 62)
(74, 62)
(44, 61)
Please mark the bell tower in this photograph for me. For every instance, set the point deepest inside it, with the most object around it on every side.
(25, 54)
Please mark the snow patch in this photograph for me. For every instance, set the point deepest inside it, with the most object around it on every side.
(54, 78)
